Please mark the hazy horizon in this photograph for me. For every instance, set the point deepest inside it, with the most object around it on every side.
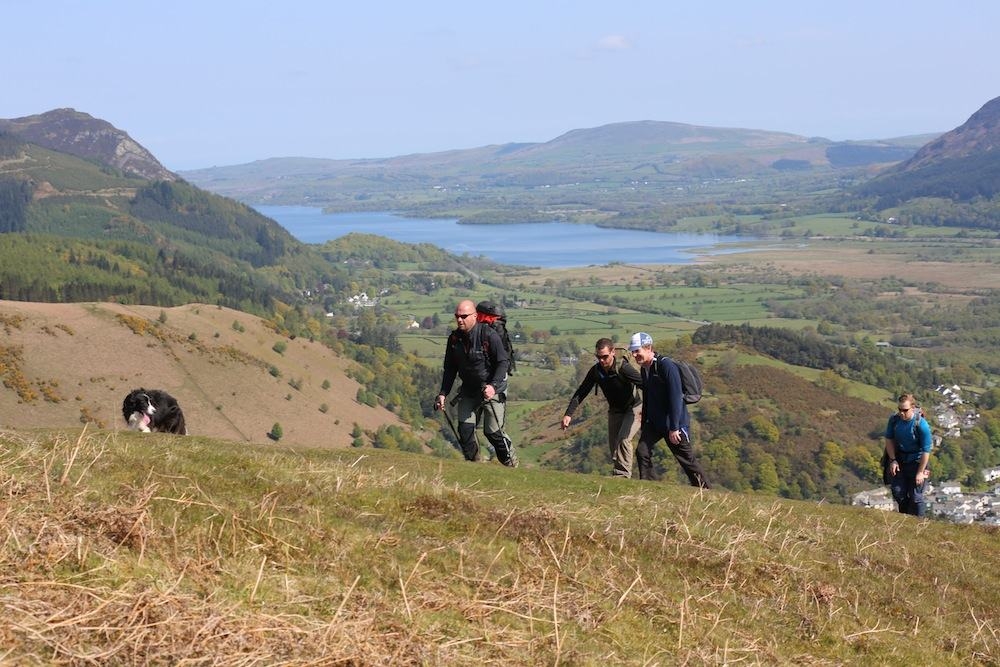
(213, 84)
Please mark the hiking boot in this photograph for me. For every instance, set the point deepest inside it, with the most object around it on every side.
(512, 462)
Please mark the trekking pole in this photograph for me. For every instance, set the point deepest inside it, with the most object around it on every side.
(447, 418)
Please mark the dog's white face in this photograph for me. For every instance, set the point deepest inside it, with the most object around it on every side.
(141, 417)
(139, 421)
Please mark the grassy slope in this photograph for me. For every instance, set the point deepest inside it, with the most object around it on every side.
(87, 358)
(125, 549)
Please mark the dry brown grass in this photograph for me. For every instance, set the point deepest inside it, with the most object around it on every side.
(81, 586)
(833, 259)
(818, 257)
(63, 364)
(119, 549)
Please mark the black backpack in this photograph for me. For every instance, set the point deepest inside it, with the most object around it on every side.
(691, 385)
(493, 316)
(619, 362)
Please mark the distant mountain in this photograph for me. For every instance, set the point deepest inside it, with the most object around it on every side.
(70, 131)
(655, 152)
(960, 165)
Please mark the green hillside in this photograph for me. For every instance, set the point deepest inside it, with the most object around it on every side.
(125, 549)
(84, 231)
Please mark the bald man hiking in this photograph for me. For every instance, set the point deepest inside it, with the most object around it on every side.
(476, 354)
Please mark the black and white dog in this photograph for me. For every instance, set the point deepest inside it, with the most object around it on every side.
(153, 410)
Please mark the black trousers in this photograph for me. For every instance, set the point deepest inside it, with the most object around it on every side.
(683, 452)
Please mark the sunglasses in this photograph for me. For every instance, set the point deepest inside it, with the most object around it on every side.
(604, 356)
(460, 316)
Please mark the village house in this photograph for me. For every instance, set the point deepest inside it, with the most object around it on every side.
(362, 300)
(946, 501)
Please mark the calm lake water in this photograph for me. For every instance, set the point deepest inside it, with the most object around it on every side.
(549, 245)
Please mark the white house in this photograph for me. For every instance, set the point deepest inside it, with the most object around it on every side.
(950, 488)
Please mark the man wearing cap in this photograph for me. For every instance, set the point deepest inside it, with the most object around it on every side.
(664, 414)
(476, 354)
(619, 382)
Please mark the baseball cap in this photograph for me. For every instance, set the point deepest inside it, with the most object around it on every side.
(640, 339)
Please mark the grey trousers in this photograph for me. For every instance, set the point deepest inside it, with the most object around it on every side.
(622, 429)
(470, 410)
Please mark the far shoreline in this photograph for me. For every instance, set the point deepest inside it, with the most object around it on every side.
(545, 245)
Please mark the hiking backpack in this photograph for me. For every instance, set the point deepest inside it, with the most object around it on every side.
(691, 386)
(493, 315)
(619, 362)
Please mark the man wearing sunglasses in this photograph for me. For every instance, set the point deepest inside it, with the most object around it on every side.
(908, 446)
(475, 353)
(619, 381)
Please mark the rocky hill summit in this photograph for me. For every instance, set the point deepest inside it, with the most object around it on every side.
(978, 135)
(961, 165)
(82, 135)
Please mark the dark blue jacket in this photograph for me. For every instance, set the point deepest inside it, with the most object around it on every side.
(663, 406)
(479, 358)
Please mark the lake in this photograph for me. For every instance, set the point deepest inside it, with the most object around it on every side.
(547, 244)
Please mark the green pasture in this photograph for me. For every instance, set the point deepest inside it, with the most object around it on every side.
(836, 225)
(419, 306)
(725, 303)
(548, 320)
(825, 225)
(710, 223)
(426, 345)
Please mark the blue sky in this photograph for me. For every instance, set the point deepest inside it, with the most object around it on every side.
(218, 83)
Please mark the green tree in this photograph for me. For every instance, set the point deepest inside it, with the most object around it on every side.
(863, 463)
(766, 479)
(722, 460)
(830, 381)
(948, 463)
(831, 457)
(764, 428)
(357, 436)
